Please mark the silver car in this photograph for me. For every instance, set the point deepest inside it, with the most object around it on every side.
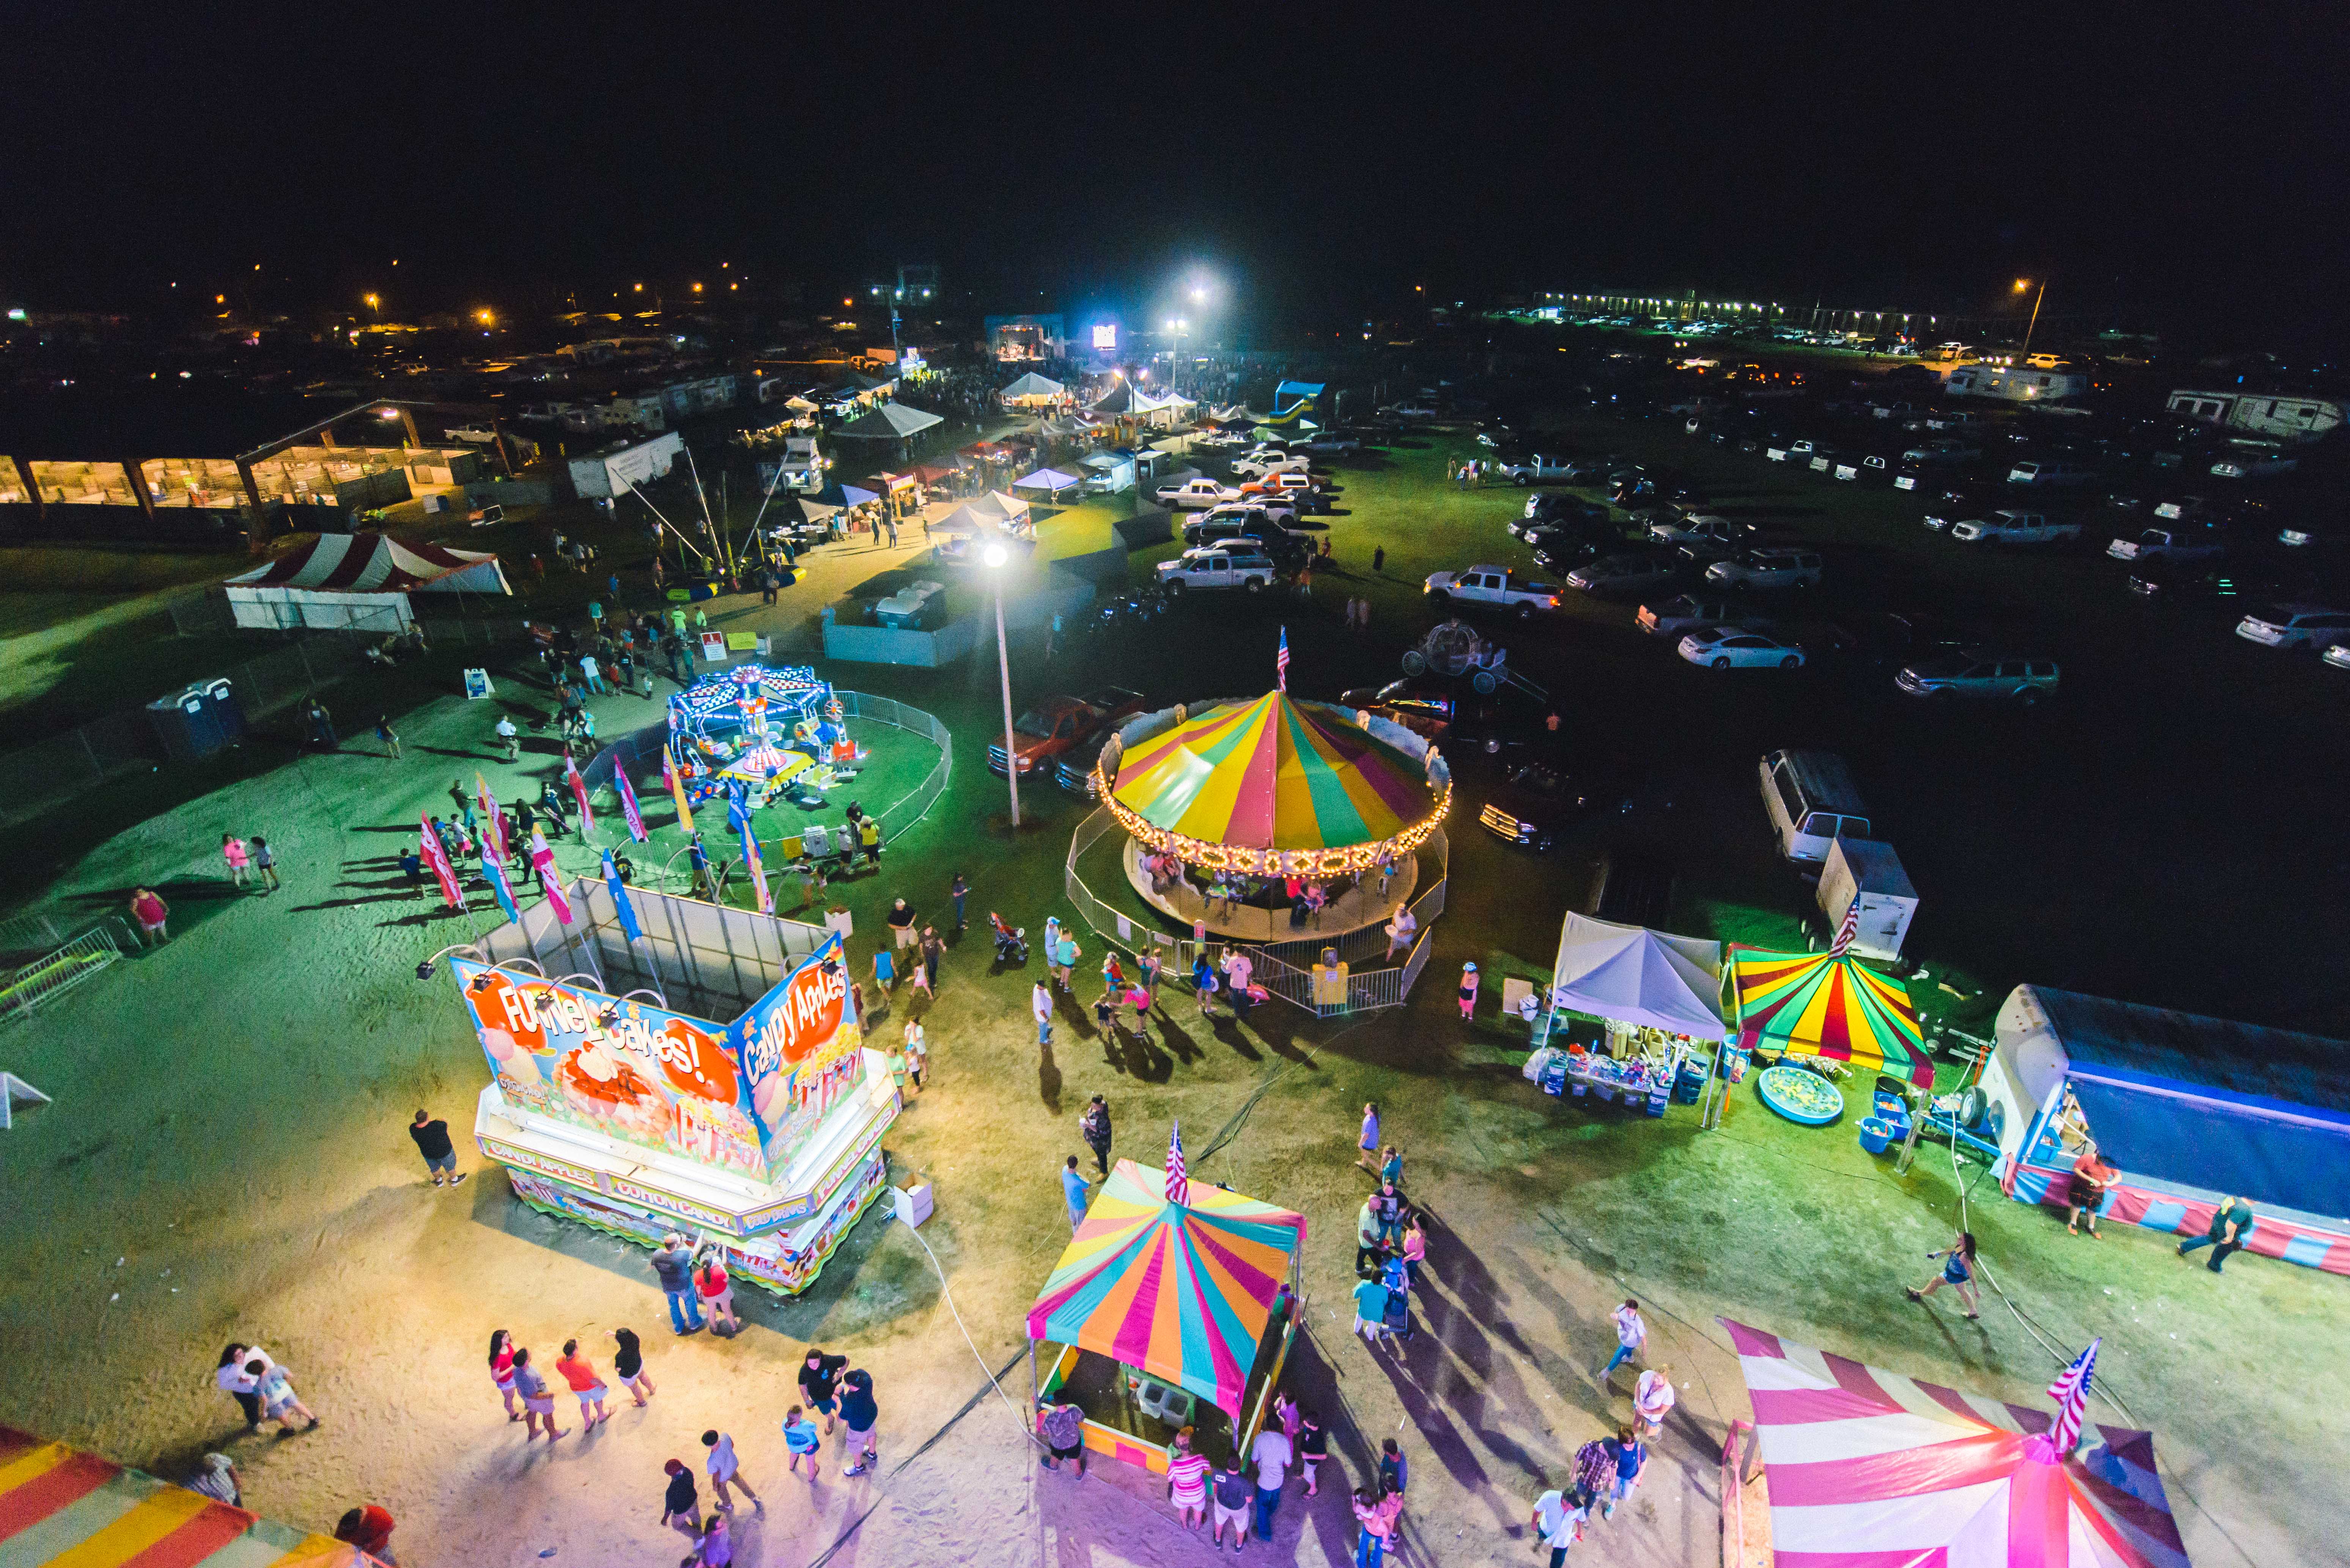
(1979, 673)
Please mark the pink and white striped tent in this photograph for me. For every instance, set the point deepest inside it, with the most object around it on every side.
(1868, 1469)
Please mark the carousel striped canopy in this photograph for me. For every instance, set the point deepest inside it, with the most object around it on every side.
(1274, 773)
(1181, 1291)
(1829, 1004)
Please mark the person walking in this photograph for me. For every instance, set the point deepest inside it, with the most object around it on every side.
(537, 1401)
(1415, 1248)
(264, 864)
(934, 953)
(1387, 1208)
(593, 675)
(1204, 985)
(1391, 1166)
(1040, 1004)
(1313, 1448)
(716, 1290)
(279, 1403)
(1094, 1129)
(1065, 954)
(502, 1377)
(1395, 1470)
(1631, 1334)
(1187, 1480)
(1273, 1456)
(1367, 1142)
(1074, 1190)
(959, 889)
(918, 1053)
(628, 1360)
(1233, 1496)
(389, 737)
(1958, 1272)
(1370, 1311)
(1370, 1251)
(1467, 990)
(431, 1138)
(2091, 1178)
(2232, 1224)
(411, 866)
(1064, 1426)
(1401, 927)
(240, 1385)
(1378, 564)
(820, 1381)
(322, 726)
(1375, 1525)
(717, 1545)
(147, 907)
(233, 850)
(682, 1509)
(1628, 1454)
(1653, 1399)
(868, 836)
(674, 1265)
(803, 1441)
(1558, 1519)
(580, 1374)
(858, 1416)
(901, 921)
(726, 1471)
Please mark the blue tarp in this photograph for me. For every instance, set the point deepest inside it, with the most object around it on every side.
(1295, 390)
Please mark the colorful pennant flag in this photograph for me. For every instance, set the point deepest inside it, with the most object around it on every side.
(437, 856)
(676, 776)
(629, 801)
(501, 889)
(541, 859)
(579, 793)
(495, 826)
(620, 903)
(758, 869)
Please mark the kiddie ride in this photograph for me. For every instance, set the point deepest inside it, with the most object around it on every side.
(1456, 648)
(761, 733)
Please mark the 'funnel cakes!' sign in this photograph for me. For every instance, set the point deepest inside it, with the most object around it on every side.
(738, 1099)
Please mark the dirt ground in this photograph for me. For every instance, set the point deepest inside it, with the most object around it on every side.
(226, 1159)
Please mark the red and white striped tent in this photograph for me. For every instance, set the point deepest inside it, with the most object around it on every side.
(357, 581)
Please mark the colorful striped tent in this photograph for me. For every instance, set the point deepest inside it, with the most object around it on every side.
(1270, 778)
(1829, 1004)
(61, 1506)
(1181, 1291)
(1868, 1469)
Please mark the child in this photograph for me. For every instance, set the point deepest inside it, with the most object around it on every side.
(898, 1068)
(1106, 1012)
(264, 864)
(918, 1053)
(1467, 990)
(279, 1403)
(413, 864)
(1391, 1166)
(802, 1439)
(233, 851)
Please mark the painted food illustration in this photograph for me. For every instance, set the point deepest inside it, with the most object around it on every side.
(597, 1085)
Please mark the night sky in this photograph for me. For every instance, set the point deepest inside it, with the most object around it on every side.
(2155, 162)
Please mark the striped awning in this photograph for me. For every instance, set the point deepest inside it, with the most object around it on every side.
(365, 563)
(1829, 1005)
(64, 1507)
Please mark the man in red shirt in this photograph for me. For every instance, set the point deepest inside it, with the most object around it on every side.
(369, 1529)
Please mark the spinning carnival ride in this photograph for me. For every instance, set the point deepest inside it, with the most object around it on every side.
(757, 731)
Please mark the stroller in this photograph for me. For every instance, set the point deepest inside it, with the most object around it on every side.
(1011, 942)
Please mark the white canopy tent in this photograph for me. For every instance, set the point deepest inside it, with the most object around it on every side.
(1009, 510)
(1048, 479)
(1034, 388)
(1635, 975)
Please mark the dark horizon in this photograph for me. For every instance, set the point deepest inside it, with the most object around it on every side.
(2160, 171)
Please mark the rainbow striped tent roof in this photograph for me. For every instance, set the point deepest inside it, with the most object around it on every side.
(1274, 773)
(1183, 1292)
(1828, 1005)
(59, 1505)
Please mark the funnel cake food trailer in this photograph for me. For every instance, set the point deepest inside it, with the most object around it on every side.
(617, 1101)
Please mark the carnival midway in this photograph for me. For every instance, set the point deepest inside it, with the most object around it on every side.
(832, 1065)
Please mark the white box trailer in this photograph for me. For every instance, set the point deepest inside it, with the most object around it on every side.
(1865, 869)
(618, 470)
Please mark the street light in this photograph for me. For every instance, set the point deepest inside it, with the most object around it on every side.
(996, 556)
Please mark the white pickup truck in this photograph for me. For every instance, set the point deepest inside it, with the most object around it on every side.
(2016, 528)
(1216, 567)
(1196, 492)
(1494, 586)
(1260, 467)
(1536, 470)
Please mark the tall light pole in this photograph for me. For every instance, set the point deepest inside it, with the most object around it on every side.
(995, 555)
(2021, 284)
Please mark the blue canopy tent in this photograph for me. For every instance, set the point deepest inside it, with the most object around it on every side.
(2188, 1109)
(1295, 392)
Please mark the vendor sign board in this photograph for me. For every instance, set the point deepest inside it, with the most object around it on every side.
(741, 1097)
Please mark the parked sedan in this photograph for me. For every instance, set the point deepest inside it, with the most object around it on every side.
(1728, 647)
(1982, 674)
(1627, 573)
(2295, 626)
(1685, 613)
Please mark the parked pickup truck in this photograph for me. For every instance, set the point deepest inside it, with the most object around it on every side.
(1492, 586)
(1234, 564)
(2186, 544)
(2005, 528)
(1698, 527)
(1537, 468)
(1259, 467)
(1057, 724)
(1196, 492)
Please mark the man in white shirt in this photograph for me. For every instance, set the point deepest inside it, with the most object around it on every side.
(1558, 1522)
(1400, 931)
(1273, 1457)
(726, 1471)
(1631, 1333)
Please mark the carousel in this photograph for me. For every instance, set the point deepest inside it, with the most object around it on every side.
(758, 732)
(1275, 820)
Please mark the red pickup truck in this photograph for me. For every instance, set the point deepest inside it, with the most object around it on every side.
(1055, 724)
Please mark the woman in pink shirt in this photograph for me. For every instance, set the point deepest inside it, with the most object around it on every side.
(233, 851)
(150, 912)
(1187, 1480)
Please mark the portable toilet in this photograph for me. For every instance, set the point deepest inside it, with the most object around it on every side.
(1870, 871)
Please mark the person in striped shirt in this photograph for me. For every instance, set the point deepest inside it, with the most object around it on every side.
(1187, 1480)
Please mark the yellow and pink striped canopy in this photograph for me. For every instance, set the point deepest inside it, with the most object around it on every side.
(1274, 773)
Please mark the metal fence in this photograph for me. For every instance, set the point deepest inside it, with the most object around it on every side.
(1283, 968)
(58, 971)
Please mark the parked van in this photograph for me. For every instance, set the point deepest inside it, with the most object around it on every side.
(2049, 473)
(1811, 801)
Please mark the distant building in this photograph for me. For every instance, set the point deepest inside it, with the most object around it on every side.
(1010, 338)
(2261, 413)
(2014, 383)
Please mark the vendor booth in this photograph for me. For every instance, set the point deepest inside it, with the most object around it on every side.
(612, 1104)
(1864, 1468)
(1653, 998)
(345, 581)
(64, 1508)
(1049, 481)
(1033, 392)
(2189, 1111)
(1819, 1014)
(1173, 1300)
(1226, 805)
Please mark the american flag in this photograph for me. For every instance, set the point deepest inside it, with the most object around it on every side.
(1280, 662)
(1178, 1185)
(2071, 1392)
(1850, 928)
